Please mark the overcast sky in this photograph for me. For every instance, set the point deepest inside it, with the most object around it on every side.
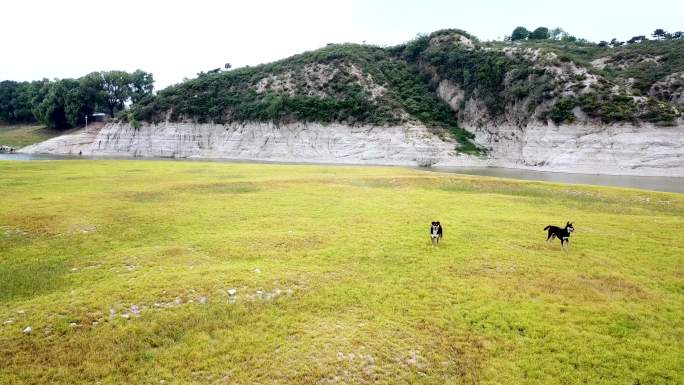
(177, 39)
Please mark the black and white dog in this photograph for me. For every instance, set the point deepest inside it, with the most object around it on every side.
(561, 233)
(435, 233)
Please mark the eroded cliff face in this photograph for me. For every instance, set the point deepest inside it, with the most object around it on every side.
(581, 147)
(587, 148)
(584, 148)
(297, 142)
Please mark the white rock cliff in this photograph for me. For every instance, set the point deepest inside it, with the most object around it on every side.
(297, 142)
(623, 149)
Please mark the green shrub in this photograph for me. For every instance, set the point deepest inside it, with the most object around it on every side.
(561, 112)
(659, 112)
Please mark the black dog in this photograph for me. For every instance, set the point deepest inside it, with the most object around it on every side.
(561, 233)
(435, 233)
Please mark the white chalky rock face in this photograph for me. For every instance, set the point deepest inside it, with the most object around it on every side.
(295, 142)
(623, 149)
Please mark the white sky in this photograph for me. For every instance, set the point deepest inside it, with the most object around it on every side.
(176, 39)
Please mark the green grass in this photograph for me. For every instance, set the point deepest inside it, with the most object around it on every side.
(348, 289)
(20, 135)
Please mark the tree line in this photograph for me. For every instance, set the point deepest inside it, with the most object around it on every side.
(658, 34)
(64, 103)
(543, 33)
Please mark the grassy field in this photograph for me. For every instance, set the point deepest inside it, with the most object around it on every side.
(150, 272)
(21, 135)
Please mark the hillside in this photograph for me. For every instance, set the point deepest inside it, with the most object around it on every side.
(445, 80)
(445, 99)
(346, 83)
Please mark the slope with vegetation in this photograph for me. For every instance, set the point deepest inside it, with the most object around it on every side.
(448, 82)
(348, 83)
(537, 76)
(561, 80)
(20, 135)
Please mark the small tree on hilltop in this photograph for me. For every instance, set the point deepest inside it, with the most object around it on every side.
(636, 39)
(615, 43)
(541, 33)
(558, 33)
(603, 44)
(659, 34)
(520, 33)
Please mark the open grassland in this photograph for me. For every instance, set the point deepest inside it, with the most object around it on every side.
(149, 272)
(21, 135)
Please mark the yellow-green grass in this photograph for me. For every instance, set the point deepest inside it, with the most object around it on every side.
(348, 289)
(21, 135)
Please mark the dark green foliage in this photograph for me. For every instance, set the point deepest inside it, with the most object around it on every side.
(490, 76)
(541, 33)
(64, 103)
(659, 33)
(561, 112)
(613, 108)
(646, 72)
(636, 39)
(659, 112)
(15, 102)
(520, 33)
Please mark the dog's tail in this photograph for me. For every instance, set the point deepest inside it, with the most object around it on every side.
(547, 227)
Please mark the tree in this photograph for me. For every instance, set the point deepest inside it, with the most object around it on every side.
(8, 95)
(15, 102)
(64, 103)
(228, 66)
(616, 43)
(558, 34)
(541, 33)
(677, 35)
(636, 39)
(56, 98)
(22, 103)
(142, 84)
(520, 33)
(603, 44)
(121, 87)
(659, 34)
